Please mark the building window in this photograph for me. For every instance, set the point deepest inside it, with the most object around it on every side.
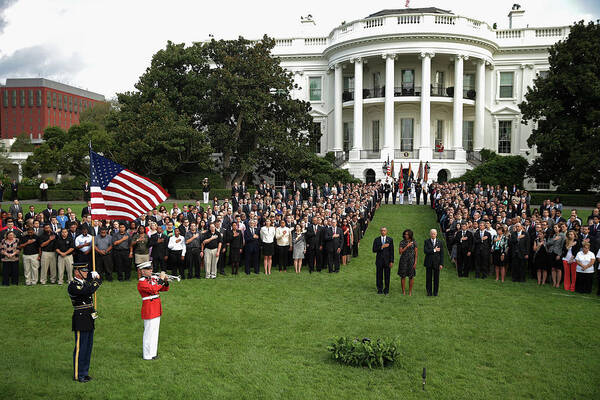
(468, 135)
(439, 135)
(314, 83)
(504, 130)
(22, 102)
(59, 102)
(543, 74)
(65, 103)
(377, 85)
(406, 134)
(5, 98)
(348, 133)
(316, 137)
(14, 98)
(48, 100)
(468, 83)
(75, 105)
(506, 84)
(70, 104)
(375, 132)
(38, 98)
(439, 84)
(30, 102)
(54, 102)
(408, 82)
(542, 185)
(348, 92)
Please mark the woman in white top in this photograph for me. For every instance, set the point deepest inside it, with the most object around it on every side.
(267, 236)
(282, 235)
(585, 269)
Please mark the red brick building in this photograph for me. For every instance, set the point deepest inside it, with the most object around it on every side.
(30, 105)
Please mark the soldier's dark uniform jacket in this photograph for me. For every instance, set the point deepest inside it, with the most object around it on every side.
(82, 297)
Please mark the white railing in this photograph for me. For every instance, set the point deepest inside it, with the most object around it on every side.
(409, 19)
(373, 22)
(283, 42)
(315, 41)
(445, 19)
(548, 32)
(476, 24)
(508, 34)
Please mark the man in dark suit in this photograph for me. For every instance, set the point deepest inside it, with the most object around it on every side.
(87, 209)
(434, 262)
(464, 247)
(251, 235)
(31, 214)
(519, 250)
(333, 244)
(86, 191)
(482, 245)
(313, 242)
(14, 190)
(386, 191)
(48, 213)
(384, 260)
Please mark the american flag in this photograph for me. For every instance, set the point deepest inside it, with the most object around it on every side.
(117, 193)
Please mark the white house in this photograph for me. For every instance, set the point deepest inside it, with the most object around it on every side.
(366, 82)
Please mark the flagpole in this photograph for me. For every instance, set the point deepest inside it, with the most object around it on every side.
(93, 237)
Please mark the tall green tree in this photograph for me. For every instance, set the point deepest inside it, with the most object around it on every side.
(565, 110)
(239, 95)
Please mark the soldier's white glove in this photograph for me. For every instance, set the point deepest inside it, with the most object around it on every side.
(95, 275)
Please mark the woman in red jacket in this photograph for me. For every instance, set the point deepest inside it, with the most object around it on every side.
(149, 286)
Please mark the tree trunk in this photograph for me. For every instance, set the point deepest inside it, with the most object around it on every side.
(227, 176)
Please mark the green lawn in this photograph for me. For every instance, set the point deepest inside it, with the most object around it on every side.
(263, 337)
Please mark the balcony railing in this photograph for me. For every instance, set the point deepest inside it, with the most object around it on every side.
(439, 90)
(371, 93)
(469, 93)
(370, 154)
(348, 95)
(408, 154)
(443, 155)
(406, 90)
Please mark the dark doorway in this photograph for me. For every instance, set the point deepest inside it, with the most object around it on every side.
(370, 176)
(442, 176)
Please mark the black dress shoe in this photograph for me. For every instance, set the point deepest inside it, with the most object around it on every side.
(89, 378)
(84, 379)
(155, 357)
(379, 292)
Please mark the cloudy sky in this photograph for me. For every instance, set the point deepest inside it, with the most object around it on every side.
(105, 45)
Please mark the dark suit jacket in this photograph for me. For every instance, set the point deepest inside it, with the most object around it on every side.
(30, 215)
(463, 246)
(519, 247)
(251, 242)
(313, 238)
(331, 243)
(384, 256)
(482, 247)
(85, 211)
(433, 259)
(47, 214)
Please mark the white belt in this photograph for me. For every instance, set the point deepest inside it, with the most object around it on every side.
(151, 297)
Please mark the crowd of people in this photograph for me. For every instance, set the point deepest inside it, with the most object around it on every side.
(495, 230)
(305, 225)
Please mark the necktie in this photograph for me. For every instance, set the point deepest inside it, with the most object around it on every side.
(383, 240)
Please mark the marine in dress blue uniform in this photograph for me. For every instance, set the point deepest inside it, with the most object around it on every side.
(81, 290)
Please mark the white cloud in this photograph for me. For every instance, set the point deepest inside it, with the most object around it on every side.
(111, 42)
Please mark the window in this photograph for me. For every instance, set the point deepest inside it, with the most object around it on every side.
(543, 74)
(314, 83)
(5, 98)
(59, 102)
(506, 85)
(54, 100)
(469, 81)
(14, 98)
(348, 92)
(315, 138)
(70, 104)
(22, 102)
(542, 185)
(406, 134)
(438, 84)
(468, 135)
(375, 132)
(75, 105)
(439, 134)
(377, 92)
(504, 135)
(65, 103)
(348, 133)
(30, 102)
(38, 102)
(48, 100)
(408, 81)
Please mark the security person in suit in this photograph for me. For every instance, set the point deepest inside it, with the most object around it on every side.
(384, 260)
(464, 247)
(434, 262)
(81, 290)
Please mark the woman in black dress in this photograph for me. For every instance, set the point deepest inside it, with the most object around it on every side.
(540, 256)
(236, 243)
(408, 260)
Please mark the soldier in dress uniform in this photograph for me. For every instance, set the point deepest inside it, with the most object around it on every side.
(149, 286)
(81, 290)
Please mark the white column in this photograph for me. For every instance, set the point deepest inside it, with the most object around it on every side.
(457, 115)
(337, 106)
(357, 145)
(388, 147)
(479, 106)
(425, 152)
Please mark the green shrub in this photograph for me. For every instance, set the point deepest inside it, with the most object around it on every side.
(63, 195)
(72, 184)
(192, 181)
(498, 170)
(365, 352)
(567, 199)
(24, 192)
(196, 194)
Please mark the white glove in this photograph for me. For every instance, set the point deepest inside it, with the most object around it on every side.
(95, 275)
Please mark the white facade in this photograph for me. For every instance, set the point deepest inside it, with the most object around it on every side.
(477, 76)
